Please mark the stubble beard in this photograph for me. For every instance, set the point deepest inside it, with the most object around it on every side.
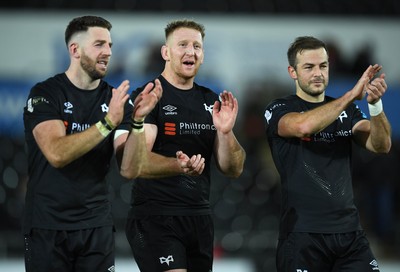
(311, 90)
(89, 66)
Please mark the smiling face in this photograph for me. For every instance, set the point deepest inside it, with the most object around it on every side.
(94, 48)
(311, 74)
(183, 53)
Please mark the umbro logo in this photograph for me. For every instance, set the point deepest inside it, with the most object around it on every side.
(374, 265)
(68, 107)
(170, 110)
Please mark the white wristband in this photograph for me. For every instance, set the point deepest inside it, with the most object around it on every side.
(375, 109)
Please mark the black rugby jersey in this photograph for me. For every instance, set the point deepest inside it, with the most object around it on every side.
(75, 196)
(317, 194)
(184, 121)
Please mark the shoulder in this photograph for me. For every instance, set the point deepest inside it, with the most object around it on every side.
(206, 91)
(282, 101)
(104, 85)
(279, 107)
(49, 87)
(54, 80)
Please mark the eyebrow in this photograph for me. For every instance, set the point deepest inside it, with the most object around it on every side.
(312, 64)
(103, 42)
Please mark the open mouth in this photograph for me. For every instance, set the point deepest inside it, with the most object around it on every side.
(103, 63)
(188, 63)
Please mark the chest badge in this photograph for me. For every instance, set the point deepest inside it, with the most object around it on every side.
(104, 107)
(208, 108)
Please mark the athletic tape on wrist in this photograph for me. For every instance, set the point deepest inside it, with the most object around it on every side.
(103, 129)
(107, 123)
(375, 109)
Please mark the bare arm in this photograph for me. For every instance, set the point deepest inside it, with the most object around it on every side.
(375, 135)
(158, 166)
(310, 122)
(133, 152)
(229, 154)
(61, 149)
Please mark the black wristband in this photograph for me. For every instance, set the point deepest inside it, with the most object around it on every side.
(104, 122)
(136, 125)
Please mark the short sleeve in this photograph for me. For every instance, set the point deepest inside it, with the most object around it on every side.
(41, 106)
(273, 113)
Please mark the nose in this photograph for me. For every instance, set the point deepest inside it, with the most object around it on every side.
(190, 50)
(107, 50)
(318, 71)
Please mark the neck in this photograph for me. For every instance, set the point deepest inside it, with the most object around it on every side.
(178, 81)
(81, 80)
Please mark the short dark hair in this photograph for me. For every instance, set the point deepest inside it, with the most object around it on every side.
(83, 23)
(303, 43)
(174, 25)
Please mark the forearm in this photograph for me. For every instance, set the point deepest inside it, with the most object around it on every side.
(229, 155)
(379, 140)
(66, 149)
(159, 166)
(313, 121)
(134, 154)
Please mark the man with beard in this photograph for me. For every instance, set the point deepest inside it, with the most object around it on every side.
(310, 135)
(74, 123)
(169, 226)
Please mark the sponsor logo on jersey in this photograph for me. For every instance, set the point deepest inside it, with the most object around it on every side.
(111, 268)
(186, 128)
(166, 260)
(170, 128)
(76, 127)
(34, 101)
(68, 107)
(329, 137)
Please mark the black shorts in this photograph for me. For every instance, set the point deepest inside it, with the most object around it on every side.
(89, 250)
(326, 252)
(161, 243)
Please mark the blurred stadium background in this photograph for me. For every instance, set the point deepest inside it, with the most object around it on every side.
(246, 43)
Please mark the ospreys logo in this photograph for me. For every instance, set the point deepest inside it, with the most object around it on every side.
(166, 260)
(208, 108)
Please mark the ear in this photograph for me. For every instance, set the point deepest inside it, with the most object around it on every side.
(292, 72)
(73, 50)
(164, 52)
